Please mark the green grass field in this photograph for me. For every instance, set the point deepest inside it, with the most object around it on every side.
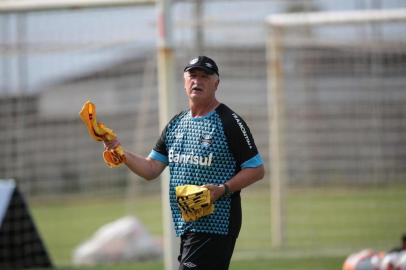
(323, 263)
(323, 226)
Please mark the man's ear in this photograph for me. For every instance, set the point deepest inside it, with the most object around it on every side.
(217, 83)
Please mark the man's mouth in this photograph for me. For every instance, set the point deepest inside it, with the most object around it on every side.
(197, 89)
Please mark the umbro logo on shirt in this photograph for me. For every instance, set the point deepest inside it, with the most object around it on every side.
(178, 135)
(189, 265)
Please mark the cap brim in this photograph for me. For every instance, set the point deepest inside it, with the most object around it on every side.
(207, 70)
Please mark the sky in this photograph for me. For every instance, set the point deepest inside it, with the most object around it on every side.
(64, 44)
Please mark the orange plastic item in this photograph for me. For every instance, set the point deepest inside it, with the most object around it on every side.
(99, 132)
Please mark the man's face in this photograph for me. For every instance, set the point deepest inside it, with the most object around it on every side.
(199, 85)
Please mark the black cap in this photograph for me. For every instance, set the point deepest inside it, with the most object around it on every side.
(203, 62)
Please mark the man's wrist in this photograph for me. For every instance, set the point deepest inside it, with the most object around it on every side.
(227, 191)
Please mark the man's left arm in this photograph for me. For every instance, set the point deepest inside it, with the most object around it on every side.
(241, 180)
(242, 146)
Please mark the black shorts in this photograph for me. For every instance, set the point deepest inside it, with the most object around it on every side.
(200, 251)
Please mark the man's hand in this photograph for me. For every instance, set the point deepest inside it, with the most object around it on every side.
(216, 192)
(109, 145)
(113, 154)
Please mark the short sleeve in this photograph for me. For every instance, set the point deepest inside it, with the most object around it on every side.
(160, 150)
(240, 139)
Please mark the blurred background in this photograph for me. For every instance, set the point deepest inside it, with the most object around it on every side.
(344, 97)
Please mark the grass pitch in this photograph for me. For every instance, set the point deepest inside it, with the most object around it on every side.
(324, 263)
(322, 225)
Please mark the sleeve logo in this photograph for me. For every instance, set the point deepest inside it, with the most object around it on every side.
(243, 130)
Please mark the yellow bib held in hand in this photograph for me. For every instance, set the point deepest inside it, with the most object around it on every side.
(194, 202)
(99, 132)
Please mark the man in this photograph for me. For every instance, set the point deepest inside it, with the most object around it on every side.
(207, 145)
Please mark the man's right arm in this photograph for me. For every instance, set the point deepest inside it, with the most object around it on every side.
(147, 168)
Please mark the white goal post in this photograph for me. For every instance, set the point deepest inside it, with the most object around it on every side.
(11, 6)
(278, 27)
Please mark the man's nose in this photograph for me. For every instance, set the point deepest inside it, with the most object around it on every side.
(195, 80)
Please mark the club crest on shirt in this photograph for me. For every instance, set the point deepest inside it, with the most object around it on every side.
(206, 140)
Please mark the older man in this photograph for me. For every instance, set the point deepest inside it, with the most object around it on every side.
(206, 145)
